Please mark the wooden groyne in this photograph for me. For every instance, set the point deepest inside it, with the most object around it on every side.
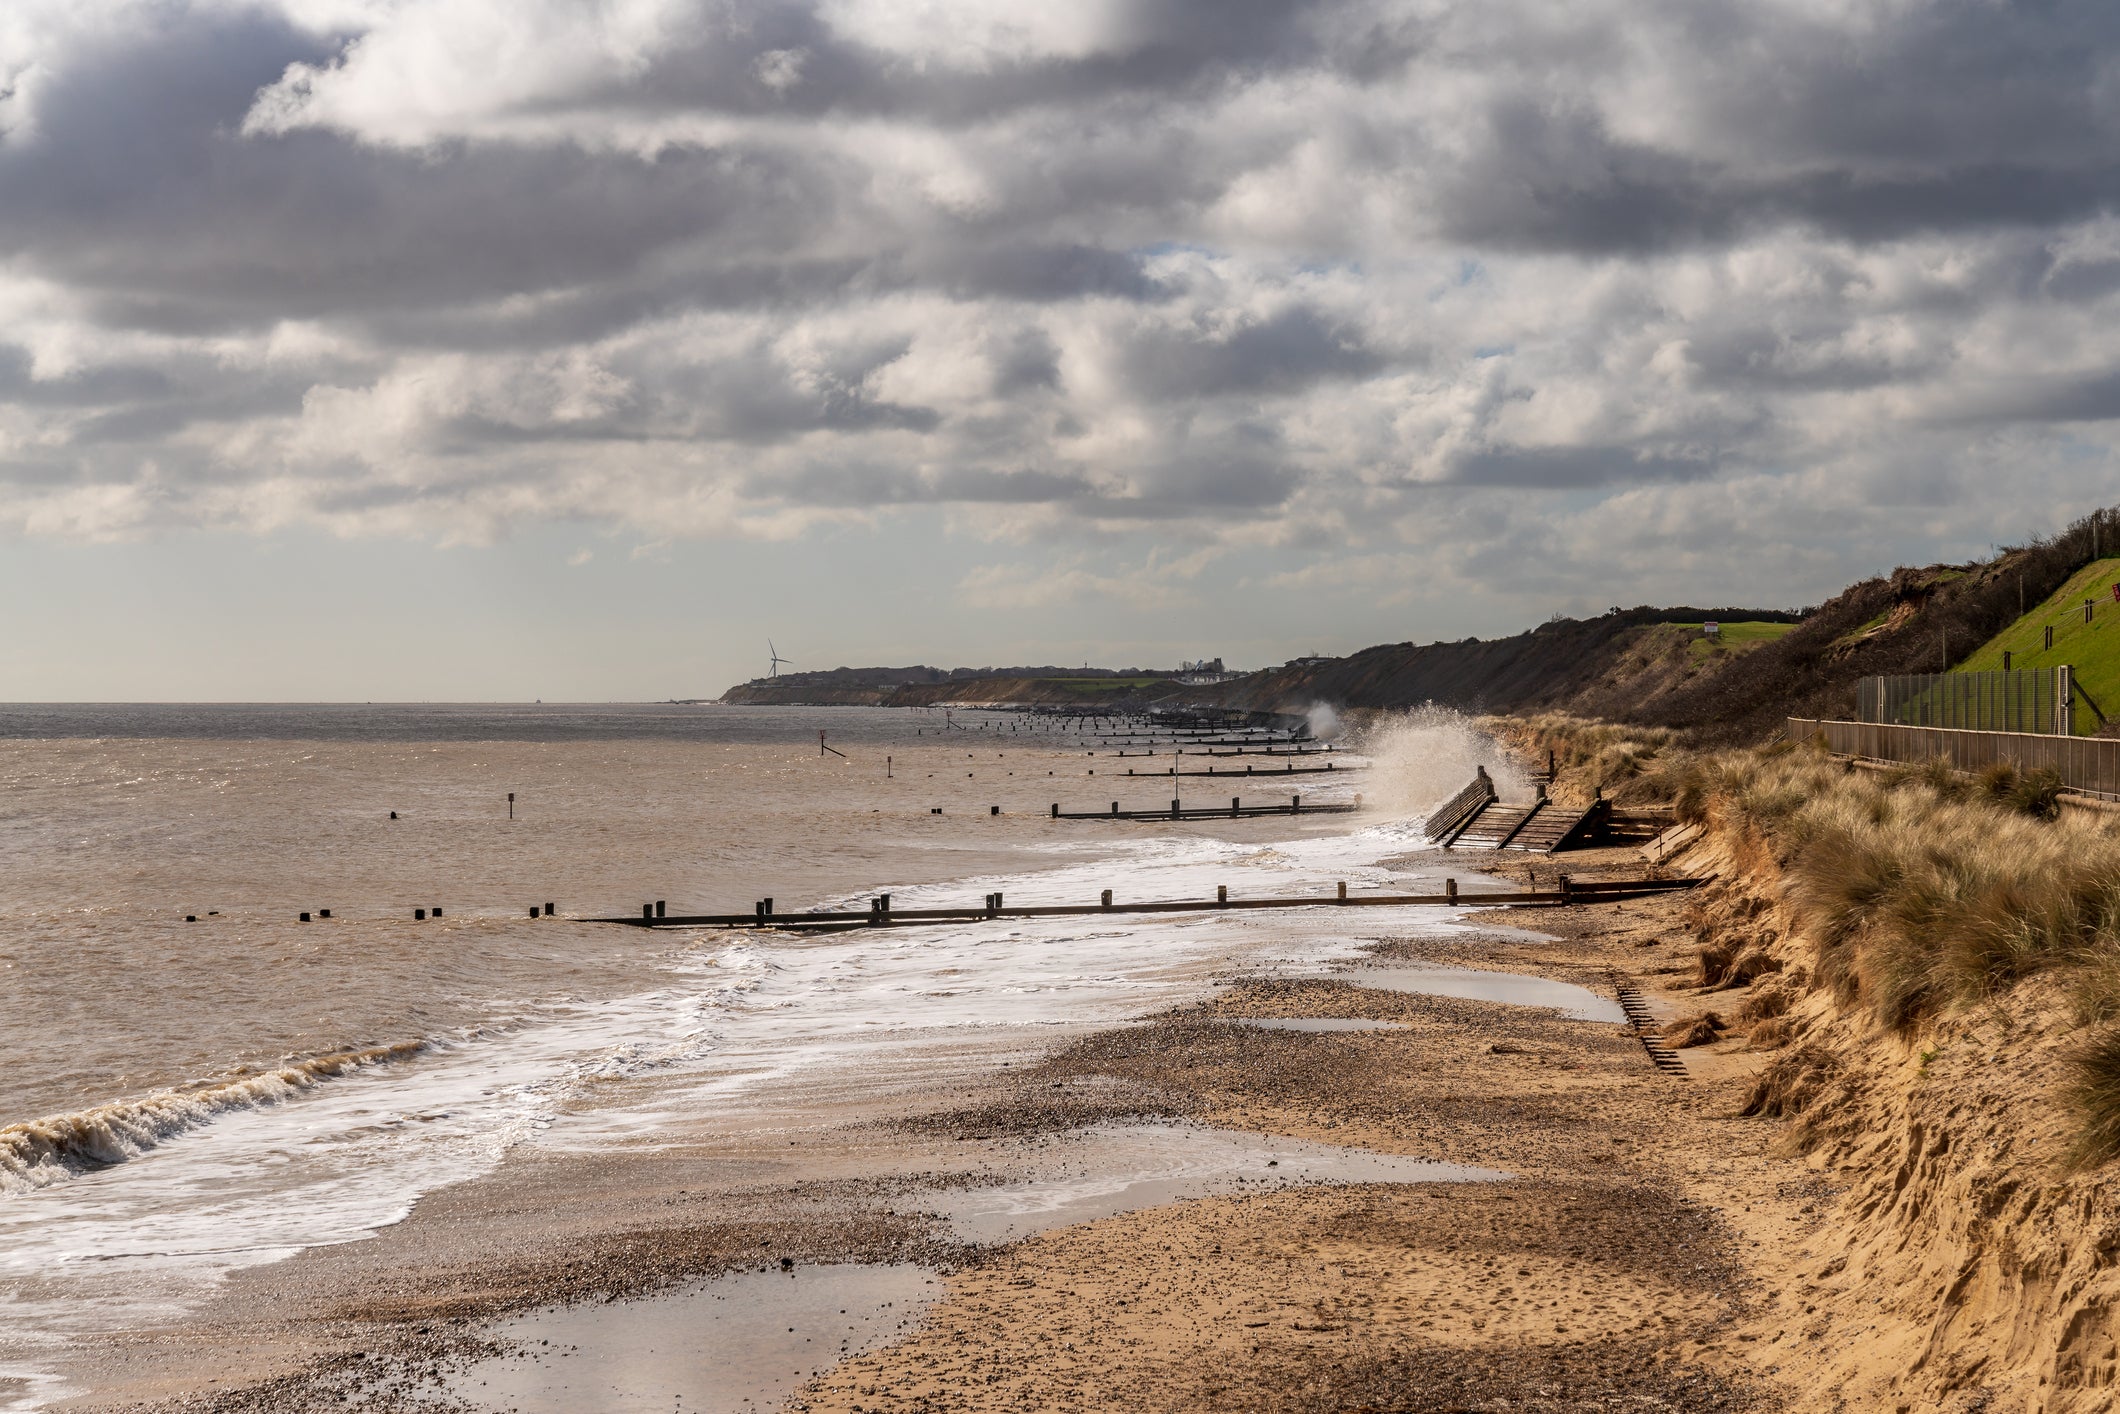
(1235, 810)
(881, 915)
(1329, 768)
(1476, 818)
(1240, 751)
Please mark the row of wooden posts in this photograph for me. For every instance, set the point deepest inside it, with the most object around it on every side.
(879, 912)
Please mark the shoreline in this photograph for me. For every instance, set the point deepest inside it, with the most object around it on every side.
(1458, 1080)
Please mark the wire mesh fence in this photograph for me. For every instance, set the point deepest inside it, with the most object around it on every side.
(2035, 700)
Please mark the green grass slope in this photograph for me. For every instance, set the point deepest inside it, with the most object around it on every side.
(2091, 649)
(1733, 638)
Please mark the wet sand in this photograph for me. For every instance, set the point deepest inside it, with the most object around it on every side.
(1616, 1268)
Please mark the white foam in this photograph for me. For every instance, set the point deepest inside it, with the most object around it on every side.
(736, 1021)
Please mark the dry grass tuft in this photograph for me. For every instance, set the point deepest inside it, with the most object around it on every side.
(1703, 1030)
(1766, 1003)
(1792, 1084)
(1771, 1034)
(2093, 1091)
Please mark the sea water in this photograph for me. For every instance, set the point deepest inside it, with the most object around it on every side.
(181, 1099)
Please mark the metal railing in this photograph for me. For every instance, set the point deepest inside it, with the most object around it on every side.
(2089, 764)
(2035, 700)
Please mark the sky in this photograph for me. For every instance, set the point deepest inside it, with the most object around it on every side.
(498, 349)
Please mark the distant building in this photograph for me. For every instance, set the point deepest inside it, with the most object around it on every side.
(1206, 670)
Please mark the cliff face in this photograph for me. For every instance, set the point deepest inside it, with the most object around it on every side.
(1548, 668)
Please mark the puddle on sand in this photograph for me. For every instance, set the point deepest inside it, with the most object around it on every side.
(1119, 1169)
(1517, 989)
(1308, 1023)
(736, 1344)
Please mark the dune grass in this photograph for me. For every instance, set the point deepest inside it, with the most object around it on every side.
(1921, 891)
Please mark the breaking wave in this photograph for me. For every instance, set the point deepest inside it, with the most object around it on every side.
(41, 1152)
(1420, 758)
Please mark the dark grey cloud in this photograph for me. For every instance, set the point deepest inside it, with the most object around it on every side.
(1574, 468)
(1245, 262)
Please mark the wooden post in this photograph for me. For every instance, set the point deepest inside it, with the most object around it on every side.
(1107, 899)
(511, 805)
(1115, 807)
(1450, 890)
(1056, 810)
(1295, 805)
(1174, 807)
(993, 810)
(548, 910)
(305, 918)
(661, 910)
(419, 915)
(323, 913)
(533, 910)
(886, 898)
(1221, 893)
(1343, 891)
(1567, 893)
(647, 910)
(1234, 803)
(769, 908)
(436, 912)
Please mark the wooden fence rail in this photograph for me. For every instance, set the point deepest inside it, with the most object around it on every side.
(2087, 764)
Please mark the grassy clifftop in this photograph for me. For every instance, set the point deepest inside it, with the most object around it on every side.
(2091, 649)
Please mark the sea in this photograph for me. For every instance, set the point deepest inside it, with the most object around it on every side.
(194, 1080)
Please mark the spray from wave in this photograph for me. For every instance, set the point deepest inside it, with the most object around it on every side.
(1423, 757)
(45, 1151)
(1324, 722)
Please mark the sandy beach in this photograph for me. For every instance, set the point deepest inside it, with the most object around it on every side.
(1601, 1239)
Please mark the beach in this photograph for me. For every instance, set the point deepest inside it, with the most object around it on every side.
(1215, 1160)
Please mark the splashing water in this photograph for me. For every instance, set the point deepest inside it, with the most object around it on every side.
(1324, 722)
(1424, 756)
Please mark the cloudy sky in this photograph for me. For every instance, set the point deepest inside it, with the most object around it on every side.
(568, 348)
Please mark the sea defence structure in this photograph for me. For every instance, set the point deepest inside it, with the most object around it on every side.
(1477, 818)
(880, 913)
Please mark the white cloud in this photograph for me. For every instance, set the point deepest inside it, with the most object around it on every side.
(1355, 282)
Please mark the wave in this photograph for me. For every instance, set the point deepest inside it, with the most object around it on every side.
(41, 1152)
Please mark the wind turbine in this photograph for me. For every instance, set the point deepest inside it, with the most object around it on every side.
(774, 670)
